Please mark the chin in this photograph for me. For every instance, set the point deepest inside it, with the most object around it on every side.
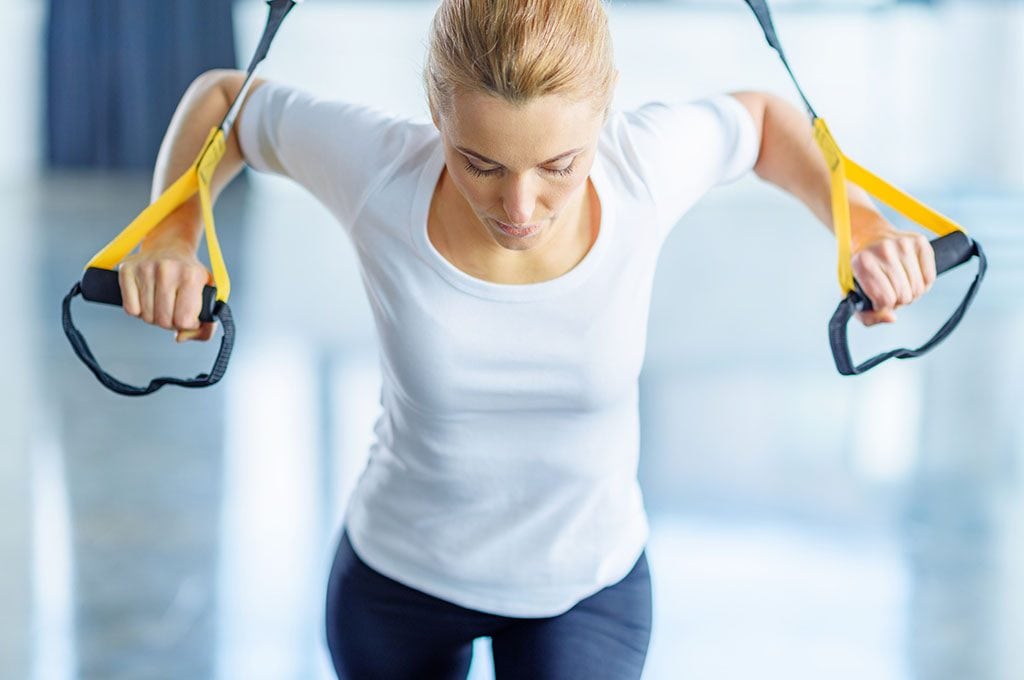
(516, 244)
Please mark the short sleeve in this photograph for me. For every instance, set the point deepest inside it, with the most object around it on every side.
(683, 150)
(338, 151)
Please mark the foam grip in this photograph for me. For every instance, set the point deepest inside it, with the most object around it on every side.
(952, 250)
(103, 286)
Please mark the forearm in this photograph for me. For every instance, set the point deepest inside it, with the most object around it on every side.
(790, 159)
(202, 108)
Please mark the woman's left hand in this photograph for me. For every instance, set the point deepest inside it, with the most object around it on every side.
(894, 268)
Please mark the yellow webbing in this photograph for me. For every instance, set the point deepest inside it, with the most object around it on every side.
(842, 169)
(196, 178)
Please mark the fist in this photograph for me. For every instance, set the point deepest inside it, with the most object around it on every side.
(164, 287)
(893, 270)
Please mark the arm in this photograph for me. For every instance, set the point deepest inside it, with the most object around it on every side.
(893, 267)
(162, 283)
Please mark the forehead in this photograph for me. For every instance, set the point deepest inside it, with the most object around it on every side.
(539, 129)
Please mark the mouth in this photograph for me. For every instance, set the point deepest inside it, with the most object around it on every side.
(518, 232)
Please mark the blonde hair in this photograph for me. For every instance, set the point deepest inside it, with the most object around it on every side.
(520, 49)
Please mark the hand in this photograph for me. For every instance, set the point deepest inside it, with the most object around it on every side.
(894, 268)
(164, 287)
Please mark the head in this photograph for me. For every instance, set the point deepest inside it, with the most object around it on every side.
(519, 90)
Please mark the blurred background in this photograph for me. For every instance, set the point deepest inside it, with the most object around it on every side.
(804, 525)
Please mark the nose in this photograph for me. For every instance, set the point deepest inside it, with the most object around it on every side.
(519, 199)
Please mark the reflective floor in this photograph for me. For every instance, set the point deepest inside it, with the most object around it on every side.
(804, 525)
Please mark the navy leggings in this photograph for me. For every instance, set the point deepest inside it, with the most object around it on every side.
(380, 629)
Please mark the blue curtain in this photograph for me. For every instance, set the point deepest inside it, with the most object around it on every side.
(116, 70)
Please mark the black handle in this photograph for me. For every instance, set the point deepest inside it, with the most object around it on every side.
(101, 285)
(951, 251)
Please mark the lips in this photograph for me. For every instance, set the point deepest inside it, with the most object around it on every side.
(518, 232)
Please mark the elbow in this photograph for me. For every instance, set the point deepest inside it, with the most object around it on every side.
(227, 81)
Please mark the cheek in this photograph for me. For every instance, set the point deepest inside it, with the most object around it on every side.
(476, 193)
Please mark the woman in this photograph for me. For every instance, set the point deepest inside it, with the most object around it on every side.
(507, 250)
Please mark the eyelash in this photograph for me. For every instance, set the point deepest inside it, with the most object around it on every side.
(488, 173)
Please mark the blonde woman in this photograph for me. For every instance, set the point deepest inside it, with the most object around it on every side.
(507, 249)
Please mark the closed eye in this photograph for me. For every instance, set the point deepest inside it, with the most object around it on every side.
(492, 172)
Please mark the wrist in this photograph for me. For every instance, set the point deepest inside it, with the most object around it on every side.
(867, 226)
(179, 239)
(180, 232)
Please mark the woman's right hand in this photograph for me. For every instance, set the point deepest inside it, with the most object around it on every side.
(164, 286)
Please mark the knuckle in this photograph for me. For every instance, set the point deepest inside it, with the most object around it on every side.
(166, 271)
(164, 320)
(888, 249)
(185, 319)
(125, 271)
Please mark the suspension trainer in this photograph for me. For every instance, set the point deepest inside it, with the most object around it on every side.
(953, 247)
(99, 282)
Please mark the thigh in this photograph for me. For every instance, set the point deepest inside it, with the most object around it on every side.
(380, 628)
(603, 637)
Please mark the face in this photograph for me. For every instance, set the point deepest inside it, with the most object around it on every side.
(519, 169)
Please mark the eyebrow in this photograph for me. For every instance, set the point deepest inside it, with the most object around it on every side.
(485, 159)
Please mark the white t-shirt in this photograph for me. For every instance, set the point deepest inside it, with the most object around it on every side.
(503, 474)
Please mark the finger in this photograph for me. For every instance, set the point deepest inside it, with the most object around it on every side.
(165, 296)
(129, 292)
(875, 283)
(876, 317)
(147, 290)
(188, 305)
(894, 269)
(926, 260)
(205, 331)
(912, 267)
(867, 318)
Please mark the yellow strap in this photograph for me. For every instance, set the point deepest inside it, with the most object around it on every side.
(206, 164)
(196, 178)
(842, 168)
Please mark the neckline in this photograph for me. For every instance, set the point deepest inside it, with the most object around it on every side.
(511, 292)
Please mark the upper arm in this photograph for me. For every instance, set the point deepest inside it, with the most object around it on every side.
(339, 151)
(755, 104)
(230, 82)
(686, 148)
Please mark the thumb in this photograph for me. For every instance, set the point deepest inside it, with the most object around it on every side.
(205, 331)
(877, 316)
